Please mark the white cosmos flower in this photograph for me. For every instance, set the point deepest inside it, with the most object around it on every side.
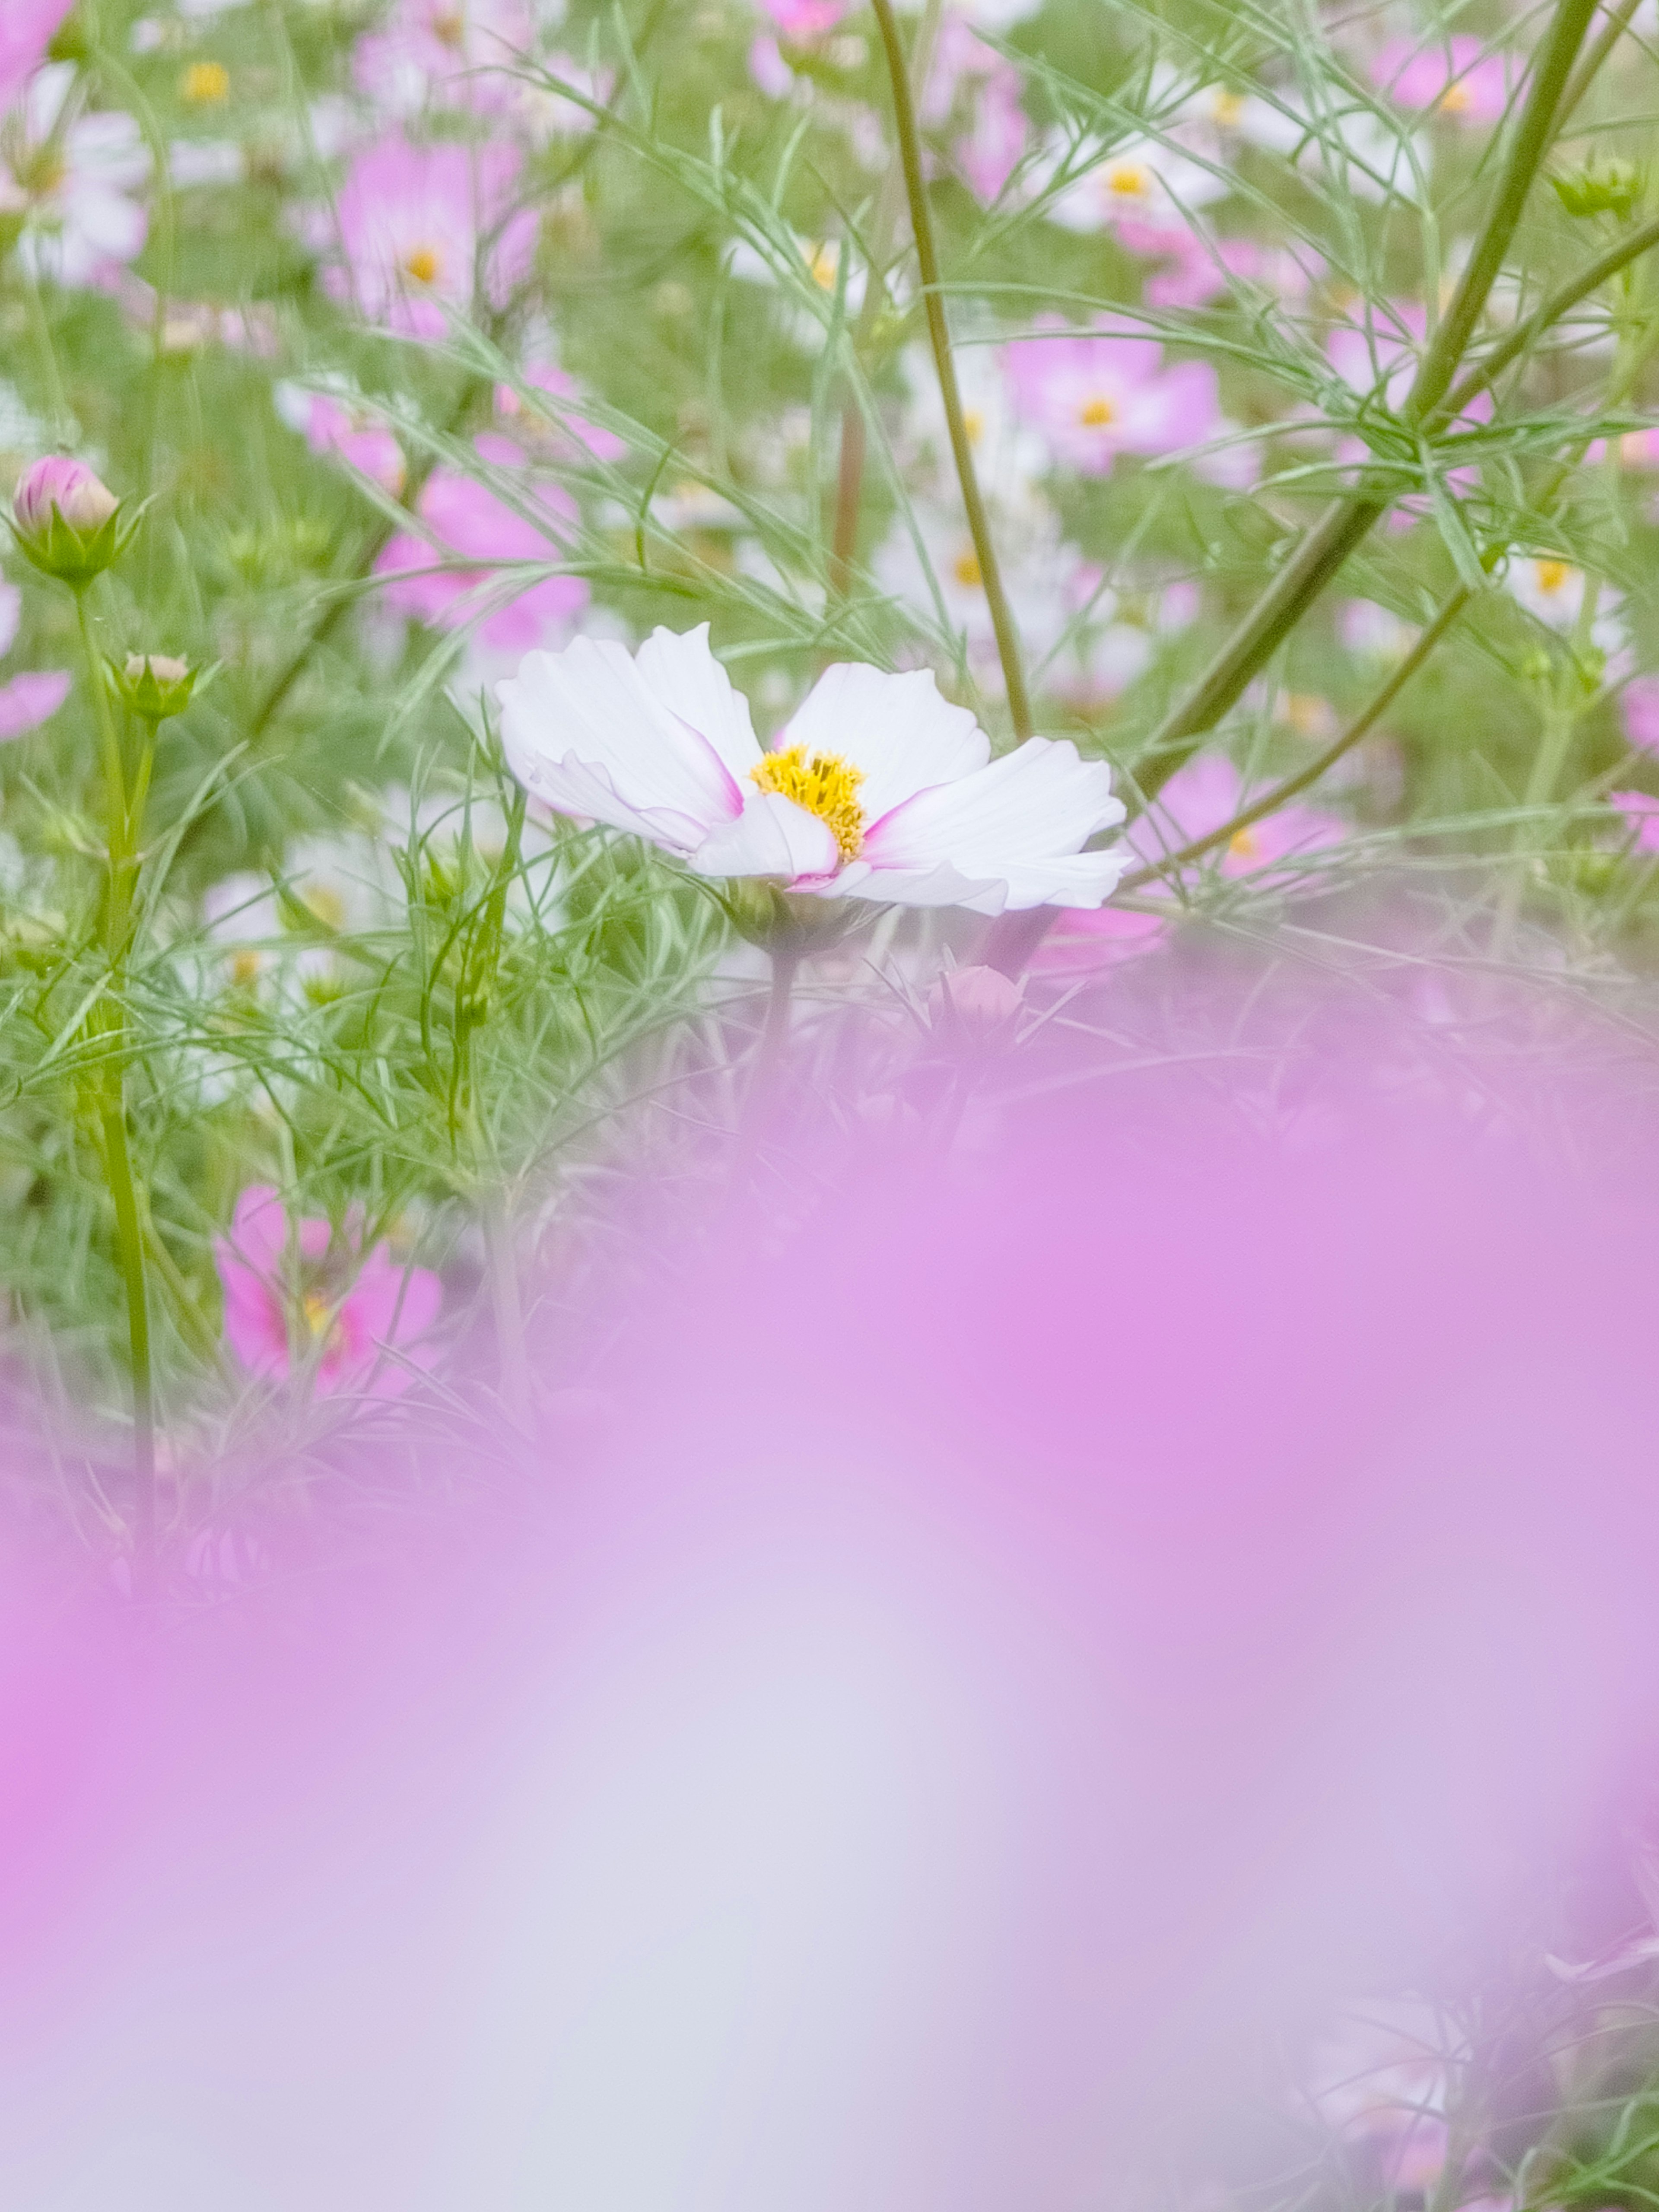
(1145, 180)
(877, 789)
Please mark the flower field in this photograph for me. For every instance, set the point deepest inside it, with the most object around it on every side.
(647, 644)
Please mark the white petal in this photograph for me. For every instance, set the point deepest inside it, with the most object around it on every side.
(774, 837)
(897, 728)
(113, 225)
(691, 684)
(1036, 805)
(11, 607)
(586, 714)
(944, 885)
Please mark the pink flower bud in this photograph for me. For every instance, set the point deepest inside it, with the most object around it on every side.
(84, 503)
(977, 1004)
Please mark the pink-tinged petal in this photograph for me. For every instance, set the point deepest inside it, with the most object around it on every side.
(27, 28)
(941, 885)
(1084, 939)
(586, 721)
(255, 1327)
(772, 838)
(1039, 801)
(897, 728)
(259, 1227)
(693, 686)
(1640, 702)
(28, 701)
(1641, 813)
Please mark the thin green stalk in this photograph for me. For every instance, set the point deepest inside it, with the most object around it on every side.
(849, 473)
(921, 223)
(111, 1021)
(1294, 785)
(1618, 23)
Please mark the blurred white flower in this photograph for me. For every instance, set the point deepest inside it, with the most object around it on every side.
(72, 181)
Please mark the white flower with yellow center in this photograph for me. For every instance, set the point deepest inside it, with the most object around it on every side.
(1142, 181)
(877, 789)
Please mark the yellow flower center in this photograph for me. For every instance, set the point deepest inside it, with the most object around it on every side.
(822, 261)
(1552, 575)
(450, 29)
(1095, 414)
(317, 1314)
(421, 264)
(967, 571)
(1129, 181)
(204, 84)
(1242, 845)
(1227, 107)
(973, 422)
(1455, 100)
(326, 903)
(244, 967)
(824, 784)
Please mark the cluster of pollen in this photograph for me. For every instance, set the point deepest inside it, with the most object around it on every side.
(824, 784)
(421, 264)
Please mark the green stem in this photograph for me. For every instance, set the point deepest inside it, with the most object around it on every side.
(111, 1021)
(1618, 23)
(849, 474)
(921, 223)
(1294, 785)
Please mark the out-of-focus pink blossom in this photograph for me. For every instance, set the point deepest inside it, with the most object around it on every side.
(1084, 938)
(975, 1006)
(1095, 394)
(800, 19)
(967, 74)
(329, 426)
(466, 519)
(26, 32)
(353, 1320)
(72, 183)
(1459, 78)
(1640, 702)
(1641, 811)
(1196, 269)
(26, 701)
(444, 53)
(769, 70)
(1205, 794)
(563, 431)
(412, 223)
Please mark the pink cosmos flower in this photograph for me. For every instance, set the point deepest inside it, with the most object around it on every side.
(444, 53)
(1640, 702)
(27, 28)
(1195, 269)
(467, 518)
(413, 220)
(1095, 394)
(26, 701)
(57, 483)
(73, 183)
(1459, 78)
(1641, 811)
(329, 426)
(1084, 938)
(1199, 799)
(800, 20)
(561, 433)
(336, 1315)
(965, 71)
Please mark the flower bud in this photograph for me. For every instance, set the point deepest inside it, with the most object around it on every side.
(66, 522)
(155, 685)
(976, 1006)
(1600, 186)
